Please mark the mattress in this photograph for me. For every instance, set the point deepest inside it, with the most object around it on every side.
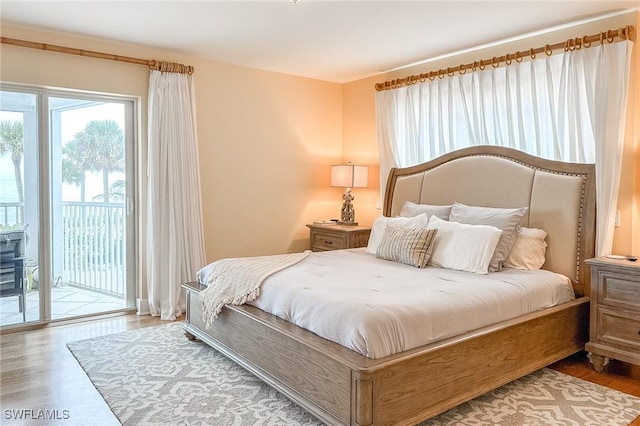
(379, 308)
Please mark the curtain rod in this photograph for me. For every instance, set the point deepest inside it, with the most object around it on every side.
(152, 64)
(625, 33)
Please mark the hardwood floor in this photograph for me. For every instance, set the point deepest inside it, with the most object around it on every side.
(37, 371)
(617, 375)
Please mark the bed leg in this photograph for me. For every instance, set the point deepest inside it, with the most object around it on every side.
(190, 336)
(598, 361)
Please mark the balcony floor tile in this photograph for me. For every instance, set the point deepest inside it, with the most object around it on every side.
(67, 301)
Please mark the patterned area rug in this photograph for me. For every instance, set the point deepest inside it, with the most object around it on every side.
(146, 383)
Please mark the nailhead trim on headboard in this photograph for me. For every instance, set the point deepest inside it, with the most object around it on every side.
(576, 279)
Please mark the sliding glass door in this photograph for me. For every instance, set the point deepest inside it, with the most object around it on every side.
(19, 208)
(78, 221)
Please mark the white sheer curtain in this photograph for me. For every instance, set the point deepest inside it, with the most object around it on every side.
(570, 106)
(175, 246)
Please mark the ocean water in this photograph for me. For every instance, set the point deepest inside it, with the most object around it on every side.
(8, 194)
(8, 191)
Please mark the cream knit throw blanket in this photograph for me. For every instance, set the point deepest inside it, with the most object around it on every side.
(238, 281)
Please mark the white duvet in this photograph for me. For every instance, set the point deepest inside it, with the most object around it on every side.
(379, 308)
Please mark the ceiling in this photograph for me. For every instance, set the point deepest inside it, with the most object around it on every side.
(337, 41)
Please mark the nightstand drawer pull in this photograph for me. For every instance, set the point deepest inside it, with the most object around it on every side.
(327, 241)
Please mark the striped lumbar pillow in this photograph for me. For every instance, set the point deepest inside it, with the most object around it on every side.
(411, 246)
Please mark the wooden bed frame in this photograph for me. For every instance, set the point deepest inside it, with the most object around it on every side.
(342, 387)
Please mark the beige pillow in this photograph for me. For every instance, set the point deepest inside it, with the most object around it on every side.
(529, 250)
(411, 246)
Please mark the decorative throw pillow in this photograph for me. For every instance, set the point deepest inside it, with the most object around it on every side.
(411, 246)
(463, 247)
(508, 220)
(381, 223)
(529, 250)
(410, 209)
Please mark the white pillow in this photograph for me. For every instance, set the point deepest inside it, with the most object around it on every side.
(410, 209)
(381, 223)
(529, 250)
(463, 247)
(508, 220)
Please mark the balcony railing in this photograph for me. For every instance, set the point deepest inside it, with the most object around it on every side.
(93, 244)
(10, 214)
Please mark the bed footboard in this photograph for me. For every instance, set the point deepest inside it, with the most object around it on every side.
(273, 352)
(342, 387)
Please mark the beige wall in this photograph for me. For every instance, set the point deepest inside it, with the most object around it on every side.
(360, 142)
(266, 140)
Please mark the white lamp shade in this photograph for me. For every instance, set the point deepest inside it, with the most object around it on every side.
(349, 176)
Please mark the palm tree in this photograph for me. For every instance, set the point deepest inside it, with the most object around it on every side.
(101, 147)
(12, 142)
(73, 166)
(117, 192)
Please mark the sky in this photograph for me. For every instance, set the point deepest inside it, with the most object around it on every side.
(72, 121)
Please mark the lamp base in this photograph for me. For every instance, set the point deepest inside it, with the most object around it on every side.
(347, 223)
(348, 213)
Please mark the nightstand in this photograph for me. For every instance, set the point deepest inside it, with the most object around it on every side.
(614, 324)
(336, 237)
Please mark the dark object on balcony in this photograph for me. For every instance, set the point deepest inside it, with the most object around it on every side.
(12, 267)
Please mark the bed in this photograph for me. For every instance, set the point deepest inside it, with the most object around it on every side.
(343, 387)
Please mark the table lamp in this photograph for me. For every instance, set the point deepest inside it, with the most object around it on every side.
(349, 176)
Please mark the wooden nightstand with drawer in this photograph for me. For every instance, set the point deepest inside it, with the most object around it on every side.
(336, 237)
(614, 324)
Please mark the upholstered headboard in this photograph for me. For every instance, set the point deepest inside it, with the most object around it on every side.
(560, 197)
